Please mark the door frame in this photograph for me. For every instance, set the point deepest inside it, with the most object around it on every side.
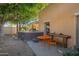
(75, 28)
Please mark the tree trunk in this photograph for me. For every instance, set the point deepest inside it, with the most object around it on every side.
(17, 27)
(1, 31)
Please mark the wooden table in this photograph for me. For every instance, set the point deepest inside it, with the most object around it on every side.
(64, 39)
(45, 38)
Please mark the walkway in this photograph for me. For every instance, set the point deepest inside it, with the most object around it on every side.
(14, 47)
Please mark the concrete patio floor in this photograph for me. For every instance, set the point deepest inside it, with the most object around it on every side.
(14, 47)
(42, 49)
(11, 46)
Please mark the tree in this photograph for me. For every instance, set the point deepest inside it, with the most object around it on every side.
(17, 13)
(20, 12)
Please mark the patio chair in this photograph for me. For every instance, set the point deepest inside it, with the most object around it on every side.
(54, 40)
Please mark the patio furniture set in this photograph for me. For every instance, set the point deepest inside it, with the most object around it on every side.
(45, 36)
(55, 39)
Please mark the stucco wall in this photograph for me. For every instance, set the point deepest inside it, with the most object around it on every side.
(62, 19)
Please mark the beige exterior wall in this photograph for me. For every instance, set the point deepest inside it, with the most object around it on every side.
(62, 20)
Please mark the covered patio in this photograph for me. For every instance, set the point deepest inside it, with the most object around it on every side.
(35, 33)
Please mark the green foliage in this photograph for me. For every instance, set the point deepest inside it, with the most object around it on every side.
(24, 28)
(71, 53)
(15, 12)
